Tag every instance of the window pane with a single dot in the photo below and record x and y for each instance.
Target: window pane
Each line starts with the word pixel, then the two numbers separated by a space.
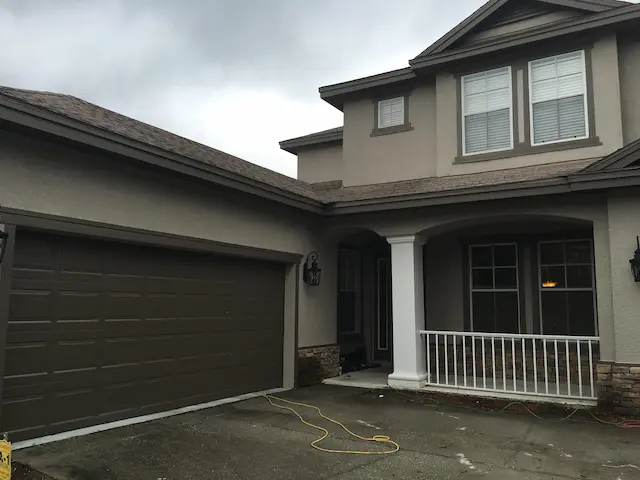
pixel 579 252
pixel 483 312
pixel 546 121
pixel 581 313
pixel 499 129
pixel 506 277
pixel 579 276
pixel 475 131
pixel 482 278
pixel 506 308
pixel 505 255
pixel 552 253
pixel 554 312
pixel 482 256
pixel 552 275
pixel 572 122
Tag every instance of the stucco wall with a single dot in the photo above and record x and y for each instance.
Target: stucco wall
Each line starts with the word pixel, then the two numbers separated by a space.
pixel 608 119
pixel 624 226
pixel 387 158
pixel 47 178
pixel 320 164
pixel 629 62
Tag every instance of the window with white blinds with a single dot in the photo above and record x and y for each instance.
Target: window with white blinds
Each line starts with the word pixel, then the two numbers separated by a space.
pixel 558 98
pixel 391 112
pixel 487 124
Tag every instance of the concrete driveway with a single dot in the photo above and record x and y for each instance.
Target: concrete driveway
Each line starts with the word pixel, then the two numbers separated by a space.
pixel 252 440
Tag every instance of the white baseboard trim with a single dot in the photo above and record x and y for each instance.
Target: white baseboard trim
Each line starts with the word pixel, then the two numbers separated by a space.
pixel 141 419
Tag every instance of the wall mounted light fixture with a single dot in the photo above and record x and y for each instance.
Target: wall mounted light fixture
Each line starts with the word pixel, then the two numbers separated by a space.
pixel 311 272
pixel 635 262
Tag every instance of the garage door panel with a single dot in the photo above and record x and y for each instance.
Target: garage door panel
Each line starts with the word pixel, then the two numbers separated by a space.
pixel 100 331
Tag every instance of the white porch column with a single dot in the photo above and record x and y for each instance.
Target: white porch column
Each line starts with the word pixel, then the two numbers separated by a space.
pixel 407 287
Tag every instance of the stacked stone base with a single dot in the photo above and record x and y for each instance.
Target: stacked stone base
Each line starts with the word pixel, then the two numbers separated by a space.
pixel 619 388
pixel 315 364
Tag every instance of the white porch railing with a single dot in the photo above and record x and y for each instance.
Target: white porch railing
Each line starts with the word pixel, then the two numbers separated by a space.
pixel 542 365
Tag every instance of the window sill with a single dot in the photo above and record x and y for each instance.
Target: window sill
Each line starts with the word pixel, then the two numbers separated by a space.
pixel 521 150
pixel 377 132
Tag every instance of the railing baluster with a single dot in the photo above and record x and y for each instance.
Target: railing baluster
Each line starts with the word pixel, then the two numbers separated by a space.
pixel 473 360
pixel 493 361
pixel 446 360
pixel 517 342
pixel 593 393
pixel 504 368
pixel 455 360
pixel 484 368
pixel 555 346
pixel 437 361
pixel 428 359
pixel 546 368
pixel 513 362
pixel 464 358
pixel 566 345
pixel 535 366
pixel 579 367
pixel 524 365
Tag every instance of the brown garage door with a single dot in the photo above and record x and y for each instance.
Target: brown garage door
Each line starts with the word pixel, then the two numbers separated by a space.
pixel 100 331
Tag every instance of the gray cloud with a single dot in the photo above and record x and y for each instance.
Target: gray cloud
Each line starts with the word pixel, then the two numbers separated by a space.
pixel 238 75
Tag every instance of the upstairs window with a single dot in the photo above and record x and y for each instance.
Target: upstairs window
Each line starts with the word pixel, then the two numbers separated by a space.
pixel 391 112
pixel 558 98
pixel 487 123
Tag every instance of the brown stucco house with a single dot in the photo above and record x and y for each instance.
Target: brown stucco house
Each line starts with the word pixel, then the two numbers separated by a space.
pixel 473 219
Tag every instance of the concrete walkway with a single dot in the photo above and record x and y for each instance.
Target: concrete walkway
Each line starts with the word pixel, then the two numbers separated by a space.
pixel 252 440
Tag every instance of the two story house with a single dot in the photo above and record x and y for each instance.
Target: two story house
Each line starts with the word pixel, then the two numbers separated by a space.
pixel 487 216
pixel 468 229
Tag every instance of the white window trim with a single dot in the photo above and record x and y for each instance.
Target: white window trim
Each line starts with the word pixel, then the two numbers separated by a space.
pixel 493 290
pixel 568 289
pixel 586 103
pixel 404 106
pixel 463 116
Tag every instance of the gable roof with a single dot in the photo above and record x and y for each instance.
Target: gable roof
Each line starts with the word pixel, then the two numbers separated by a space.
pixel 110 121
pixel 488 9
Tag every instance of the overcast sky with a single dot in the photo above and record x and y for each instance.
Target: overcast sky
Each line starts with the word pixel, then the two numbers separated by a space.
pixel 238 75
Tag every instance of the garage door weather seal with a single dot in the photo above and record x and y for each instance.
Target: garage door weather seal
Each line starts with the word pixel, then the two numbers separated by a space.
pixel 142 419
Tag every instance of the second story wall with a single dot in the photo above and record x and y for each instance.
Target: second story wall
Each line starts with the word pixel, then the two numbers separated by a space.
pixel 603 105
pixel 629 60
pixel 320 164
pixel 370 157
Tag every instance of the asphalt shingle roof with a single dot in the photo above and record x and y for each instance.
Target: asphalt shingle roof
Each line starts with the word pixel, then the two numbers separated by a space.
pixel 90 114
pixel 328 192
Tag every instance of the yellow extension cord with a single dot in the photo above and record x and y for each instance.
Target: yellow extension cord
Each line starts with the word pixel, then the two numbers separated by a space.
pixel 325 434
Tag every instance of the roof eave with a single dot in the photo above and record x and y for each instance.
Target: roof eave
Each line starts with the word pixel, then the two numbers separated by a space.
pixel 578 182
pixel 295 145
pixel 48 122
pixel 336 94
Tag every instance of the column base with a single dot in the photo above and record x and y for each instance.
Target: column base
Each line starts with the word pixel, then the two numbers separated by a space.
pixel 407 382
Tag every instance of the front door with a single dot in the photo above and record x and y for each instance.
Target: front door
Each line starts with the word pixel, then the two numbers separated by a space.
pixel 382 348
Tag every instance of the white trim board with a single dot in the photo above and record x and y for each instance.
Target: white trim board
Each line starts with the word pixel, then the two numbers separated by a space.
pixel 135 420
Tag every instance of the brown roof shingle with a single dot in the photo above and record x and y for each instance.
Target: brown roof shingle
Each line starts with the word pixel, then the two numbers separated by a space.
pixel 113 122
pixel 455 182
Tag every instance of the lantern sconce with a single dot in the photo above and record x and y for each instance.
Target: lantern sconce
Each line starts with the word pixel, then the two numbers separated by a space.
pixel 4 236
pixel 311 272
pixel 635 262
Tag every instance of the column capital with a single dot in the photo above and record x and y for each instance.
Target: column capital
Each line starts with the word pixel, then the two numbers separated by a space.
pixel 402 239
